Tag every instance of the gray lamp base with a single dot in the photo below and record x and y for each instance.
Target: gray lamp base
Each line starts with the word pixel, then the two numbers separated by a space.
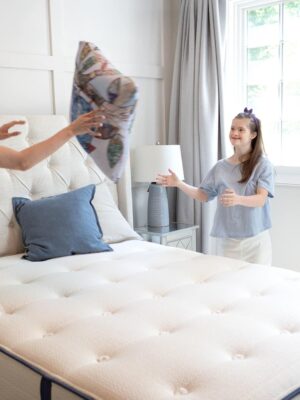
pixel 158 206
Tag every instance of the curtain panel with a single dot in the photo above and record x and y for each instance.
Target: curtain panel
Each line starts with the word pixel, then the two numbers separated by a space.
pixel 197 105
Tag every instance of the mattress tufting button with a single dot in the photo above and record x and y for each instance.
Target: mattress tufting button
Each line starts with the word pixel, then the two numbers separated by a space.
pixel 103 358
pixel 259 294
pixel 182 390
pixel 106 313
pixel 48 334
pixel 161 333
pixel 217 311
pixel 238 356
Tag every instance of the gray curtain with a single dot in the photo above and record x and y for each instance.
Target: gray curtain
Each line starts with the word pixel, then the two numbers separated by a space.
pixel 196 108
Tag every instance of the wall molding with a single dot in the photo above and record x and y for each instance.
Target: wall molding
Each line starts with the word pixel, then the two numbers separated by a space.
pixel 25 61
pixel 66 64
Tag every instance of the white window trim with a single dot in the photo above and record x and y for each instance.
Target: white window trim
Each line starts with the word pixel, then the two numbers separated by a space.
pixel 285 176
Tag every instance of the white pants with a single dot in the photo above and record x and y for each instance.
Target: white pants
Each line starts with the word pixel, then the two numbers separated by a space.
pixel 256 249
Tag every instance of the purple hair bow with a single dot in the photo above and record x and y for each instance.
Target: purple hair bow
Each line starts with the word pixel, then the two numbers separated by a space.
pixel 248 111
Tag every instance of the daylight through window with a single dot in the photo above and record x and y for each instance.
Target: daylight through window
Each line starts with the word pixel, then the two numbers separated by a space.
pixel 267 51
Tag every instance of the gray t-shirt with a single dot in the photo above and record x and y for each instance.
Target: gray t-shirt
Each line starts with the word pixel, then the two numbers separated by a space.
pixel 239 221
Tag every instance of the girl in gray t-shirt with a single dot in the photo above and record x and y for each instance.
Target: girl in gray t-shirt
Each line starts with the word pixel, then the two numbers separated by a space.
pixel 243 184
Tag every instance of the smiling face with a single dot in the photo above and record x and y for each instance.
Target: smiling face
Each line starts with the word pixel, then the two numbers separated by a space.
pixel 241 135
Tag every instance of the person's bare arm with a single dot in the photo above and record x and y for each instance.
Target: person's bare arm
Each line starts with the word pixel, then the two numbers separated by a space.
pixel 229 198
pixel 27 158
pixel 4 129
pixel 172 180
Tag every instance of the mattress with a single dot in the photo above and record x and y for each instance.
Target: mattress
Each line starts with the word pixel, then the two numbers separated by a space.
pixel 148 322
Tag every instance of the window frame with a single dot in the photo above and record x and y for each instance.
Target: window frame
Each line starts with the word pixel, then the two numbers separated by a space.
pixel 236 17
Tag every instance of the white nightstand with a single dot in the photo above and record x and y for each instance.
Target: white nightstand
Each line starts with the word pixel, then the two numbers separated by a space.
pixel 175 235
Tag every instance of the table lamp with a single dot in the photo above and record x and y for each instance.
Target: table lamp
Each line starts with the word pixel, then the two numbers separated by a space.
pixel 148 161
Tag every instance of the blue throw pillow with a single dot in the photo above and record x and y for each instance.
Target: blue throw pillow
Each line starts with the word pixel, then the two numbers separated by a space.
pixel 60 225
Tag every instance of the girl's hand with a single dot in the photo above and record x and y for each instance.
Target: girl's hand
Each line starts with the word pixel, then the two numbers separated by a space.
pixel 229 198
pixel 86 122
pixel 168 180
pixel 4 134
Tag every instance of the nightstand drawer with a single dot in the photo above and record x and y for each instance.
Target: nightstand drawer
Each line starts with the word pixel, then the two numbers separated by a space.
pixel 185 242
pixel 176 235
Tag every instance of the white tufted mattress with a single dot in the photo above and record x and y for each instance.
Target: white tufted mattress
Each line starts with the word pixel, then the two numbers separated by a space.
pixel 148 322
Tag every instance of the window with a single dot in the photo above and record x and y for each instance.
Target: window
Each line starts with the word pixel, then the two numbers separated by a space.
pixel 264 71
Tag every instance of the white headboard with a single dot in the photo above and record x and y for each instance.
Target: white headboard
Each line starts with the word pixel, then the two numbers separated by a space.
pixel 68 168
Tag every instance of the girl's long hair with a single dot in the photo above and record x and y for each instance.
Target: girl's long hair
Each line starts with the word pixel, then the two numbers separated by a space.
pixel 257 145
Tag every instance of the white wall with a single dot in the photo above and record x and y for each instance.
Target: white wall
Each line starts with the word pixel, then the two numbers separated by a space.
pixel 38 44
pixel 286 226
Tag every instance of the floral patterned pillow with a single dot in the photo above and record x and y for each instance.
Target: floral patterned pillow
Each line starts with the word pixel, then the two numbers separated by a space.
pixel 98 84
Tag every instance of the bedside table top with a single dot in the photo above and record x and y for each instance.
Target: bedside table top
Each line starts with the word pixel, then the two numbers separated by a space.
pixel 164 230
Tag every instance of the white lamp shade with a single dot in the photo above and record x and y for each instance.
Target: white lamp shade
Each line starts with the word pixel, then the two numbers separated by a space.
pixel 156 159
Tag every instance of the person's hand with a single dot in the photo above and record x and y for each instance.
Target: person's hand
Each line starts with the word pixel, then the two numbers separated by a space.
pixel 88 123
pixel 229 198
pixel 168 180
pixel 4 134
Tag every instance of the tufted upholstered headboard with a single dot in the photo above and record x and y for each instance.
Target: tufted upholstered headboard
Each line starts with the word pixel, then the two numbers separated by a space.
pixel 68 168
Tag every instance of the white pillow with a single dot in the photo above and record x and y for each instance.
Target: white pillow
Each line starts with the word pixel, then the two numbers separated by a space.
pixel 114 226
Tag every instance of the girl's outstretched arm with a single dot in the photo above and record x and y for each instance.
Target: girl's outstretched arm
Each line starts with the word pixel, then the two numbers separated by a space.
pixel 172 180
pixel 229 198
pixel 27 158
